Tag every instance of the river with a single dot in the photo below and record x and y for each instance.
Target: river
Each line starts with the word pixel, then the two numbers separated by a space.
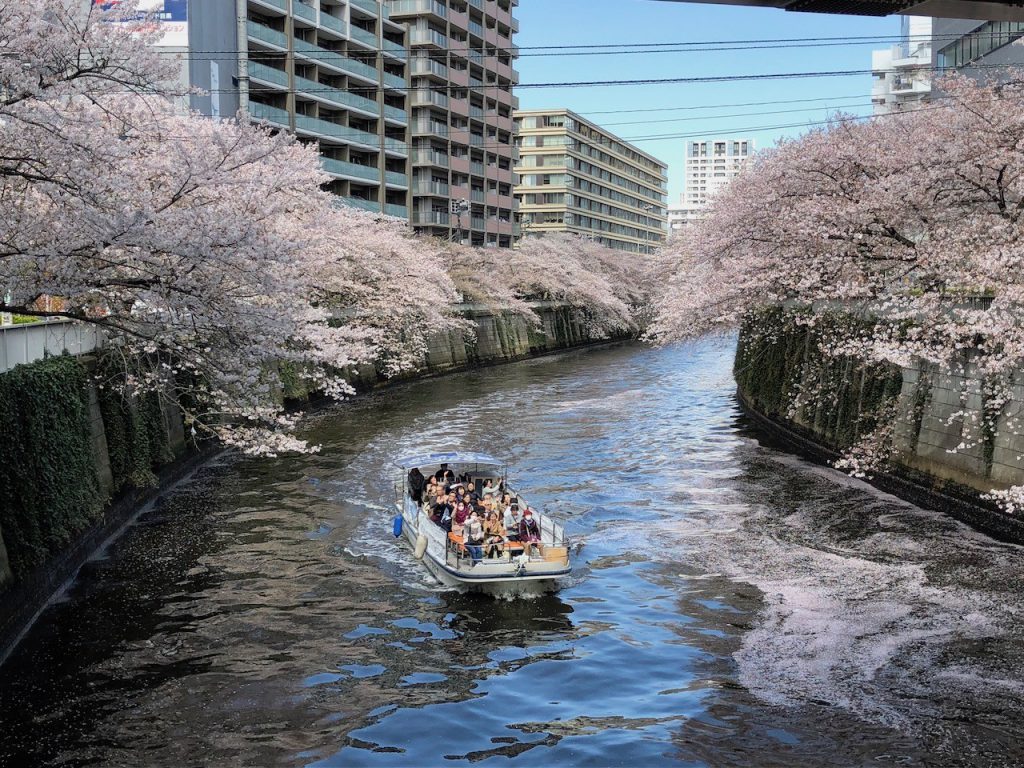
pixel 730 605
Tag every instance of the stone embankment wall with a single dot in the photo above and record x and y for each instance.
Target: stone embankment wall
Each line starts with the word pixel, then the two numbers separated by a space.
pixel 953 436
pixel 77 461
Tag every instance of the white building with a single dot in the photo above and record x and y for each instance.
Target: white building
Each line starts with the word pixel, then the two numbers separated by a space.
pixel 903 73
pixel 678 217
pixel 710 165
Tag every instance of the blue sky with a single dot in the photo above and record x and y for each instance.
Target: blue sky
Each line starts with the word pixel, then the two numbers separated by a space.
pixel 601 22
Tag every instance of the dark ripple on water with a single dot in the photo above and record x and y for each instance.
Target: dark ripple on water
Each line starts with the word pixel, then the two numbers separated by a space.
pixel 731 606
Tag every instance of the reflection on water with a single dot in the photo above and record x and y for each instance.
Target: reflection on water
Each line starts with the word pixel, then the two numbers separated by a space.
pixel 730 605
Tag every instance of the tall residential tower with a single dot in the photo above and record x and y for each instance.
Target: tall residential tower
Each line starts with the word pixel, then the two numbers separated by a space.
pixel 463 69
pixel 710 165
pixel 331 71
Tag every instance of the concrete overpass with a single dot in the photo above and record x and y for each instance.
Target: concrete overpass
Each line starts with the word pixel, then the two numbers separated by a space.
pixel 946 9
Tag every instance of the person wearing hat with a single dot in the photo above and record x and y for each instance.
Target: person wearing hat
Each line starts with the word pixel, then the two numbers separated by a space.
pixel 529 532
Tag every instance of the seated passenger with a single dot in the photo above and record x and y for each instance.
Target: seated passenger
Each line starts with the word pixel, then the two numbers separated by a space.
pixel 528 530
pixel 471 491
pixel 474 537
pixel 494 535
pixel 511 521
pixel 441 512
pixel 459 518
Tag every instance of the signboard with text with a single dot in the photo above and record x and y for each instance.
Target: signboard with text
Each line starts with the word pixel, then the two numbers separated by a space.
pixel 170 15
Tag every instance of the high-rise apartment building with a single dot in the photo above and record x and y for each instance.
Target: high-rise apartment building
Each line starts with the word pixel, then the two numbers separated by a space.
pixel 331 71
pixel 462 64
pixel 710 165
pixel 902 73
pixel 577 177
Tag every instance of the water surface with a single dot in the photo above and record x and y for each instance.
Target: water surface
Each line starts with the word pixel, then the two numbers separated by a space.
pixel 730 605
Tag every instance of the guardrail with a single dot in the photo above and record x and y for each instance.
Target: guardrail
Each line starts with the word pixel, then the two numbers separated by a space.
pixel 34 341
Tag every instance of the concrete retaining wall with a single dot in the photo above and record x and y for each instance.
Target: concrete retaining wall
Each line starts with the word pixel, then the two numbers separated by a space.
pixel 943 456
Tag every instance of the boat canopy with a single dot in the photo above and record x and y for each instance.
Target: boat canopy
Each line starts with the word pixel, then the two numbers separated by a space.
pixel 449 457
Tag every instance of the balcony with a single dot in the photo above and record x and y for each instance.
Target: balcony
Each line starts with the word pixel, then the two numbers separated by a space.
pixel 303 11
pixel 271 114
pixel 394 81
pixel 396 114
pixel 428 37
pixel 396 179
pixel 460 164
pixel 333 23
pixel 350 170
pixel 476 195
pixel 267 35
pixel 366 205
pixel 420 67
pixel 458 20
pixel 399 211
pixel 460 193
pixel 277 5
pixel 459 76
pixel 476 168
pixel 434 188
pixel 395 50
pixel 459 107
pixel 306 87
pixel 430 218
pixel 417 7
pixel 423 97
pixel 336 60
pixel 491 35
pixel 267 74
pixel 362 36
pixel 426 128
pixel 428 157
pixel 367 6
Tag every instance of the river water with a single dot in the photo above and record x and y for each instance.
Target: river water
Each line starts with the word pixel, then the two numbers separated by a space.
pixel 730 605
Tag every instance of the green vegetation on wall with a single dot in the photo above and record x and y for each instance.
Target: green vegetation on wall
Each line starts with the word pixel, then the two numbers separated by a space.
pixel 48 483
pixel 782 372
pixel 136 433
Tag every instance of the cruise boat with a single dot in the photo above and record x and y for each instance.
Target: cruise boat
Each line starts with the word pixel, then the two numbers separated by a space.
pixel 518 570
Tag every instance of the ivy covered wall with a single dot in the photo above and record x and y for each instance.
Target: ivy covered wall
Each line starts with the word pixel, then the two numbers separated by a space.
pixel 950 428
pixel 55 453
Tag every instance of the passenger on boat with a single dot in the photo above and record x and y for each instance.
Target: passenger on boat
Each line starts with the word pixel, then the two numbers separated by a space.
pixel 459 517
pixel 511 519
pixel 490 488
pixel 442 511
pixel 494 535
pixel 528 530
pixel 417 484
pixel 443 472
pixel 474 537
pixel 471 491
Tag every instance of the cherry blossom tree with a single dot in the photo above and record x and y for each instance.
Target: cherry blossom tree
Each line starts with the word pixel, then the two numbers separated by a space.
pixel 912 219
pixel 206 250
pixel 602 285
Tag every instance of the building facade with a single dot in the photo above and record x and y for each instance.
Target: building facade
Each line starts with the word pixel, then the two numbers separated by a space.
pixel 678 218
pixel 334 72
pixel 710 165
pixel 902 73
pixel 462 67
pixel 978 49
pixel 577 177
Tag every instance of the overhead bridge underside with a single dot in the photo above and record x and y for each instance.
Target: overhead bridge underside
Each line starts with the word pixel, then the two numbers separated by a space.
pixel 947 9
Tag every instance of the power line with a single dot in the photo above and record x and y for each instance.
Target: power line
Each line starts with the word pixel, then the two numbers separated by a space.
pixel 721 106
